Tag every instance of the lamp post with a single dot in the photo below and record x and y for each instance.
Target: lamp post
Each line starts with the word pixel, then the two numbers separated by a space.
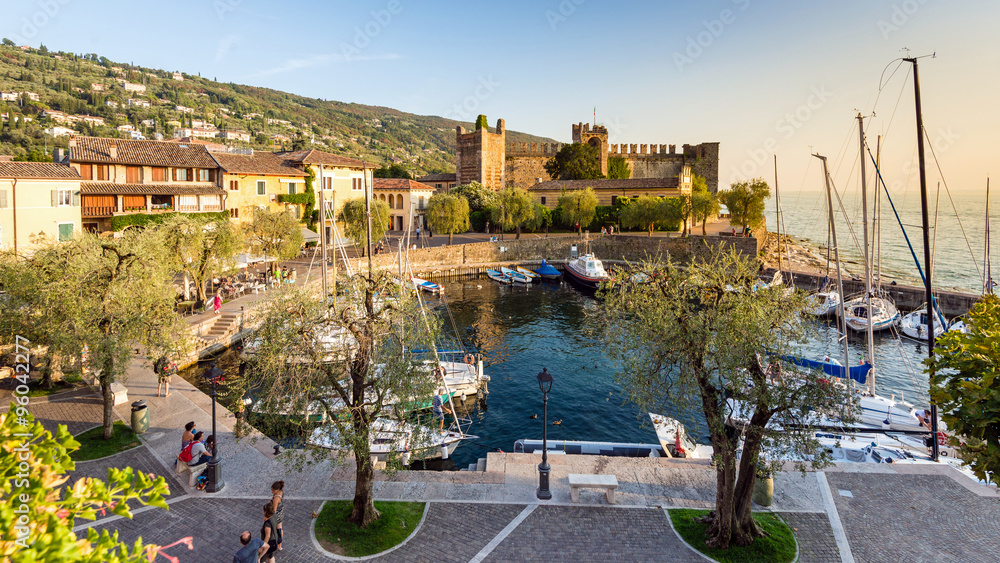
pixel 214 470
pixel 545 384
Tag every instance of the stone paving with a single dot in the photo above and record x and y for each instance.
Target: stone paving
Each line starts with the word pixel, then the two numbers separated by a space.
pixel 139 458
pixel 814 535
pixel 915 518
pixel 80 410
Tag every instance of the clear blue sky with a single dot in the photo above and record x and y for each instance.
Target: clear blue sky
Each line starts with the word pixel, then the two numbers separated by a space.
pixel 761 77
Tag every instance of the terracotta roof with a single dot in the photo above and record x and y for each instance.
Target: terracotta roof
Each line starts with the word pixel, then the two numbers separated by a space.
pixel 37 170
pixel 448 177
pixel 259 163
pixel 399 184
pixel 320 157
pixel 630 184
pixel 148 153
pixel 148 189
pixel 212 147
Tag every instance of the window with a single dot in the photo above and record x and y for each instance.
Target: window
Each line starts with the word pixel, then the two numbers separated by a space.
pixel 420 203
pixel 180 174
pixel 64 197
pixel 87 171
pixel 328 183
pixel 614 200
pixel 65 231
pixel 234 185
pixel 292 186
pixel 202 175
pixel 261 187
pixel 102 173
pixel 234 213
pixel 543 200
pixel 132 174
pixel 159 174
pixel 357 184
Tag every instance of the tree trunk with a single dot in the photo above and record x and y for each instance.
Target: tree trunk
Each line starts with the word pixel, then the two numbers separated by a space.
pixel 47 370
pixel 107 377
pixel 518 233
pixel 363 511
pixel 450 236
pixel 703 223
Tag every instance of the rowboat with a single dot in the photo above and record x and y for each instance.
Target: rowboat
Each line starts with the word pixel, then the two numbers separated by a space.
pixel 428 286
pixel 515 276
pixel 499 277
pixel 532 276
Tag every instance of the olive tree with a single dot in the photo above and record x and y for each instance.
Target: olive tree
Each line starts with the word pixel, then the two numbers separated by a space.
pixel 704 204
pixel 515 208
pixel 745 201
pixel 691 340
pixel 273 233
pixel 200 248
pixel 578 207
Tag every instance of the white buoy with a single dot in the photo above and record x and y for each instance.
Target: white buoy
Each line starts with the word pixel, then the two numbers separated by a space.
pixel 444 450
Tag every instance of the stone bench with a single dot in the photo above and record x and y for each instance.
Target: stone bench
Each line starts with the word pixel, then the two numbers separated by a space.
pixel 607 482
pixel 119 394
pixel 194 471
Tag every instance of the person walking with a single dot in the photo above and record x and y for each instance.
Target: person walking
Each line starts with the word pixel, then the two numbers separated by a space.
pixel 188 435
pixel 439 408
pixel 268 534
pixel 418 233
pixel 277 496
pixel 253 549
pixel 164 369
pixel 217 302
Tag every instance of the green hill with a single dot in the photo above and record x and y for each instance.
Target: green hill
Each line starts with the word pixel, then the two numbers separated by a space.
pixel 92 85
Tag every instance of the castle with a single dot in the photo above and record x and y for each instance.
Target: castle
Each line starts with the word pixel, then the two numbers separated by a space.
pixel 485 156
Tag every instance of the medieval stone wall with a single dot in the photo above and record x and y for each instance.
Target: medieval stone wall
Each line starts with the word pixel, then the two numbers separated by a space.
pixel 480 156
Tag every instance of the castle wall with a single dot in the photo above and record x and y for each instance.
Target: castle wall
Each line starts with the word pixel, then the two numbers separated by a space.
pixel 480 155
pixel 525 163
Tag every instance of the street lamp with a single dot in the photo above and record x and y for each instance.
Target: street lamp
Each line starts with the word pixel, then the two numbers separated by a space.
pixel 214 471
pixel 545 384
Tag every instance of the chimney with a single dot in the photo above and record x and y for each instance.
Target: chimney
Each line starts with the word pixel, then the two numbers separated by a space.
pixel 113 150
pixel 57 156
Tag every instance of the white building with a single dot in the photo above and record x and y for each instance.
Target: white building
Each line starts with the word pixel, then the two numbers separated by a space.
pixel 138 103
pixel 130 87
pixel 183 109
pixel 59 131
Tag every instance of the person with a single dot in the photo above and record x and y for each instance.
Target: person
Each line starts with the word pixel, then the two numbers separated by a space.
pixel 923 417
pixel 487 227
pixel 440 408
pixel 200 452
pixel 164 370
pixel 253 549
pixel 774 373
pixel 277 494
pixel 188 435
pixel 268 535
pixel 734 231
pixel 418 233
pixel 430 232
pixel 604 230
pixel 217 302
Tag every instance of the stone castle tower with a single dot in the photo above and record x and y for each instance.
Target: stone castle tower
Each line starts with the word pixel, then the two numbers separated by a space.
pixel 486 157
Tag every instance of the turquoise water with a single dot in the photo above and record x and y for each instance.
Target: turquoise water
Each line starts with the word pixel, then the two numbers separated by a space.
pixel 520 330
pixel 805 216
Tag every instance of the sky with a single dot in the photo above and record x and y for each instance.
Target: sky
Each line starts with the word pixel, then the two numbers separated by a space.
pixel 762 78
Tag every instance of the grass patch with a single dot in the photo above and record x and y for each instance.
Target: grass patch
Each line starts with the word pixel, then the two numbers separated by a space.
pixel 69 382
pixel 778 547
pixel 336 534
pixel 93 446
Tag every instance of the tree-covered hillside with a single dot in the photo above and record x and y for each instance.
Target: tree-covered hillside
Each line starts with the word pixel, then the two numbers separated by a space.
pixel 134 101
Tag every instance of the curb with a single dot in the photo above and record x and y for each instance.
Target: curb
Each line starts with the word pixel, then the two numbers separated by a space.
pixel 322 551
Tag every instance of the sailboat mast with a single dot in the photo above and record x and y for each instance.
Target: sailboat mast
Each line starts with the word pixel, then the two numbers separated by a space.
pixel 841 318
pixel 988 285
pixel 368 219
pixel 927 249
pixel 868 271
pixel 777 210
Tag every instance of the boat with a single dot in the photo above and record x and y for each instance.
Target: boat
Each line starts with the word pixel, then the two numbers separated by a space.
pixel 587 270
pixel 670 432
pixel 914 325
pixel 532 276
pixel 515 276
pixel 884 314
pixel 777 280
pixel 547 272
pixel 411 442
pixel 824 303
pixel 574 447
pixel 427 286
pixel 499 277
pixel 463 378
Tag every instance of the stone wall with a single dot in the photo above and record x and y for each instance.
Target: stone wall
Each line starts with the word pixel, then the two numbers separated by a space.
pixel 631 248
pixel 524 170
pixel 480 156
pixel 648 166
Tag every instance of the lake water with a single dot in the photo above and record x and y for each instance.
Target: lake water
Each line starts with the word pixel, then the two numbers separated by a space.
pixel 805 216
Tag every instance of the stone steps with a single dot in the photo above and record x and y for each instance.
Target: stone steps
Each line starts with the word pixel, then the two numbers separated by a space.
pixel 479 465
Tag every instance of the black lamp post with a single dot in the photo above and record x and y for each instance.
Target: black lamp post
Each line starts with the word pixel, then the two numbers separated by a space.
pixel 214 470
pixel 545 384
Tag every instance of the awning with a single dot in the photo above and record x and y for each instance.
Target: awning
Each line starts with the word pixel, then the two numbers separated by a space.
pixel 309 236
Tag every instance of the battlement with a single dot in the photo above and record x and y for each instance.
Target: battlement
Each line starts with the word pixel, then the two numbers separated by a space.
pixel 643 150
pixel 533 149
pixel 585 128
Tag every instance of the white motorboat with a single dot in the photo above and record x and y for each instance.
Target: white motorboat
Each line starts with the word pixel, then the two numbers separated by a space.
pixel 914 325
pixel 884 314
pixel 462 378
pixel 587 270
pixel 576 447
pixel 392 437
pixel 675 441
pixel 824 303
pixel 427 286
pixel 515 276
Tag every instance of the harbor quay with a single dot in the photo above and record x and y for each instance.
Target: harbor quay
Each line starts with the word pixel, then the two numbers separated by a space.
pixel 842 513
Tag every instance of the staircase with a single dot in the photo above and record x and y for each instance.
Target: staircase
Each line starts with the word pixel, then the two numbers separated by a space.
pixel 224 324
pixel 480 466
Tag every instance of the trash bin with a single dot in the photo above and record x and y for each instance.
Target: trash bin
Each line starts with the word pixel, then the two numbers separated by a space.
pixel 140 417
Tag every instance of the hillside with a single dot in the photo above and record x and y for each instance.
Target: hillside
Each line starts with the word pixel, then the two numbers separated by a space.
pixel 134 100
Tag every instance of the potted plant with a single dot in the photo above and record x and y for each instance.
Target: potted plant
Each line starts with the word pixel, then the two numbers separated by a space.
pixel 763 487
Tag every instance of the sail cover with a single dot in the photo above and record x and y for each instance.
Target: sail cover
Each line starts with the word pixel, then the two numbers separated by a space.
pixel 857 373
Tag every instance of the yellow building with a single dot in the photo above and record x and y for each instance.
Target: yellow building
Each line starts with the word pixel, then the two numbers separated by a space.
pixel 341 179
pixel 256 180
pixel 609 191
pixel 407 200
pixel 37 198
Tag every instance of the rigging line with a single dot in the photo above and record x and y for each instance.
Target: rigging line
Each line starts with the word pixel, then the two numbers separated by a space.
pixel 899 98
pixel 953 206
pixel 850 226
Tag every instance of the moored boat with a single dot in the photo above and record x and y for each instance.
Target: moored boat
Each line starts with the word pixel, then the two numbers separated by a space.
pixel 576 447
pixel 674 440
pixel 547 272
pixel 532 276
pixel 428 286
pixel 587 270
pixel 388 437
pixel 515 276
pixel 884 314
pixel 499 277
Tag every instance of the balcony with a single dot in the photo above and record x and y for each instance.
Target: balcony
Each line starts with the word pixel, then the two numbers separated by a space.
pixel 98 211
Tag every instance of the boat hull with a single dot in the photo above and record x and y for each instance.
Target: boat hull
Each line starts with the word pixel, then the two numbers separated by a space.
pixel 586 281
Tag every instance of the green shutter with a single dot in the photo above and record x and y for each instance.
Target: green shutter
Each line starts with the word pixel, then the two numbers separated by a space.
pixel 65 231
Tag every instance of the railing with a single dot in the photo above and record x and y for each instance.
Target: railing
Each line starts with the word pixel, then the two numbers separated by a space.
pixel 211 208
pixel 134 208
pixel 98 211
pixel 187 208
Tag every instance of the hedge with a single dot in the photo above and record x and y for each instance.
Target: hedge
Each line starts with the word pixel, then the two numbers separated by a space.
pixel 121 222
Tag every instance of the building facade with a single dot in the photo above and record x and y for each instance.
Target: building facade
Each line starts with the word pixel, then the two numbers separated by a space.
pixel 407 201
pixel 481 156
pixel 341 179
pixel 39 201
pixel 256 180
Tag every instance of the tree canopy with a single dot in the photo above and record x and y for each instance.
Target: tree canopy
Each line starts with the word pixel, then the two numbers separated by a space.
pixel 576 161
pixel 644 212
pixel 618 168
pixel 35 483
pixel 447 213
pixel 356 220
pixel 515 209
pixel 274 234
pixel 200 248
pixel 745 201
pixel 691 340
pixel 479 196
pixel 578 207
pixel 392 171
pixel 966 369
pixel 704 204
pixel 482 122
